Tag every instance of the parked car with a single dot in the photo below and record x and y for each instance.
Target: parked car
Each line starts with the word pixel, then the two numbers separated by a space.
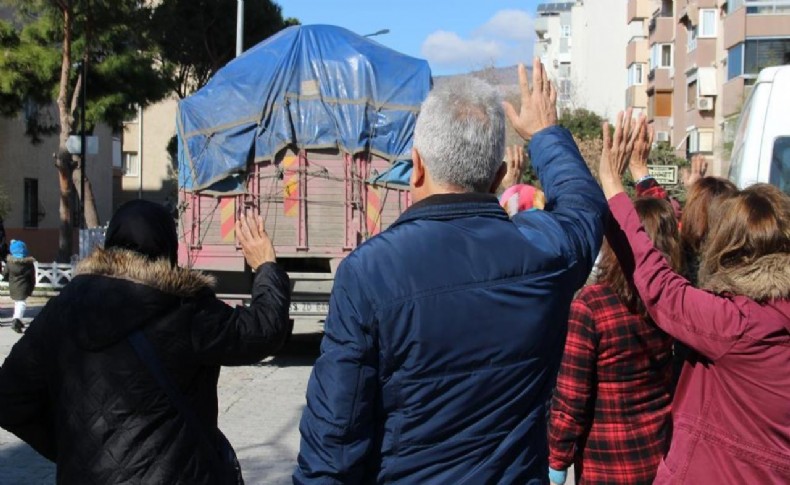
pixel 761 151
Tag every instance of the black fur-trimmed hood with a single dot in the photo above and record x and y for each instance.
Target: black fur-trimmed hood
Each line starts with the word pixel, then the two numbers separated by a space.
pixel 766 279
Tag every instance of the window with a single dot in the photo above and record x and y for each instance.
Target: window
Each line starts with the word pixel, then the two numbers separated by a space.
pixel 661 56
pixel 691 95
pixel 780 164
pixel 733 5
pixel 635 75
pixel 564 88
pixel 735 62
pixel 30 208
pixel 667 8
pixel 708 23
pixel 691 39
pixel 761 7
pixel 131 165
pixel 663 104
pixel 749 58
pixel 565 31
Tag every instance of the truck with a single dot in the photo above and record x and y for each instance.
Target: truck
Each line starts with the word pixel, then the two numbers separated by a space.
pixel 313 129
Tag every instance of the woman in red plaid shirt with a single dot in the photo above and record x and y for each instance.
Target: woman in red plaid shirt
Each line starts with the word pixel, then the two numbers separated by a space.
pixel 610 415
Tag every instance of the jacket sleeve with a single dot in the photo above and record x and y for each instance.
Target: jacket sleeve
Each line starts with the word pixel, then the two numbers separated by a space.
pixel 572 406
pixel 708 323
pixel 337 426
pixel 25 405
pixel 222 335
pixel 573 198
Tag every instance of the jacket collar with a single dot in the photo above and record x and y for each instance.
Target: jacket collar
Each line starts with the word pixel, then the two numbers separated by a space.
pixel 444 207
pixel 131 266
pixel 765 279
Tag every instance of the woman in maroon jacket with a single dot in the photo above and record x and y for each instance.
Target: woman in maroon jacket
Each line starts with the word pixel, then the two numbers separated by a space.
pixel 731 413
pixel 610 411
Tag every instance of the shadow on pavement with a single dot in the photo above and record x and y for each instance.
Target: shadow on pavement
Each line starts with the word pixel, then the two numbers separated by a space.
pixel 301 350
pixel 29 468
pixel 7 313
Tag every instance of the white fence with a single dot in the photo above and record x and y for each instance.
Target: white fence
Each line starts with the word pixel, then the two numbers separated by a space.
pixel 49 276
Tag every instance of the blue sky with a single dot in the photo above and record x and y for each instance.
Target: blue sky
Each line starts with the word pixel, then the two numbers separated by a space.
pixel 454 36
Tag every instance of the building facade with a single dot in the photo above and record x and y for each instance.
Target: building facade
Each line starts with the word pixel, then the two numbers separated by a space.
pixel 581 47
pixel 30 182
pixel 146 169
pixel 702 58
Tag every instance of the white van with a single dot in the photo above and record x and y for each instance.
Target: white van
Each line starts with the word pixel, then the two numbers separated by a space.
pixel 761 152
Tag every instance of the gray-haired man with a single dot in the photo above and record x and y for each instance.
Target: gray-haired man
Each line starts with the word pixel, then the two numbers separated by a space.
pixel 445 332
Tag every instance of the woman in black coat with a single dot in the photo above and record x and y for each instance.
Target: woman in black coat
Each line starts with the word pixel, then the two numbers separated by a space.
pixel 77 388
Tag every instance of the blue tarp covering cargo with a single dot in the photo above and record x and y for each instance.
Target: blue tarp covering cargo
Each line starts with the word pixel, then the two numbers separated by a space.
pixel 313 87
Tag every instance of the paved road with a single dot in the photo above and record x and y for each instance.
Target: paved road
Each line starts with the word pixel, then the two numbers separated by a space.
pixel 260 407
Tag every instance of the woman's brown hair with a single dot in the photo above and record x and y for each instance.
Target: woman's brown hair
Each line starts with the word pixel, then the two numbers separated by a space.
pixel 753 224
pixel 704 196
pixel 658 219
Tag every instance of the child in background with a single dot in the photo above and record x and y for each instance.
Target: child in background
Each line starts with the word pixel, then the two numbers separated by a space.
pixel 20 272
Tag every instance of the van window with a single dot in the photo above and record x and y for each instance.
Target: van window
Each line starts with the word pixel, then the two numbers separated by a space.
pixel 780 164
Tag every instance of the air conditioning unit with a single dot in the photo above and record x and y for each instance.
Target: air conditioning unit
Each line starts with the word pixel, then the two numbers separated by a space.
pixel 662 136
pixel 705 104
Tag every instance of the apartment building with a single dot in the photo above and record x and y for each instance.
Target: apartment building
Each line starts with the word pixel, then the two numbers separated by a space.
pixel 702 56
pixel 30 181
pixel 581 47
pixel 553 28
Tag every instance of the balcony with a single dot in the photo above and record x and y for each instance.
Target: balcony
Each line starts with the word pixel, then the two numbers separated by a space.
pixel 637 51
pixel 638 10
pixel 541 26
pixel 703 56
pixel 733 96
pixel 764 18
pixel 659 80
pixel 662 29
pixel 636 97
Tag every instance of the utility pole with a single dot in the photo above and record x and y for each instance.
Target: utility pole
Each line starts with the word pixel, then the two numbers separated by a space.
pixel 239 27
pixel 83 148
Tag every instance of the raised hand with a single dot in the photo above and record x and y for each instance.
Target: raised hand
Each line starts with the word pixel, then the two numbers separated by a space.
pixel 255 244
pixel 514 158
pixel 617 151
pixel 641 153
pixel 698 168
pixel 538 102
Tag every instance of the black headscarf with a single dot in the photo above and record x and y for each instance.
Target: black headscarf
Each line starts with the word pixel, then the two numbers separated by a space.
pixel 145 228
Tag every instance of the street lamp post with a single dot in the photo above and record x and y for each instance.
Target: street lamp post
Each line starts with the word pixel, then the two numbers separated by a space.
pixel 379 32
pixel 239 27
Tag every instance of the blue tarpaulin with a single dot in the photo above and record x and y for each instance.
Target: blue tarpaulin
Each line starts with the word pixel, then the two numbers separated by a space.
pixel 314 86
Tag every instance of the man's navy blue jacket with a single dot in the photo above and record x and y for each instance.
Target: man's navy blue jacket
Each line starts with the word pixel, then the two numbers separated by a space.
pixel 445 334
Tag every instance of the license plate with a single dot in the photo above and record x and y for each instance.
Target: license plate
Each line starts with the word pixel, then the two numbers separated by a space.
pixel 309 308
